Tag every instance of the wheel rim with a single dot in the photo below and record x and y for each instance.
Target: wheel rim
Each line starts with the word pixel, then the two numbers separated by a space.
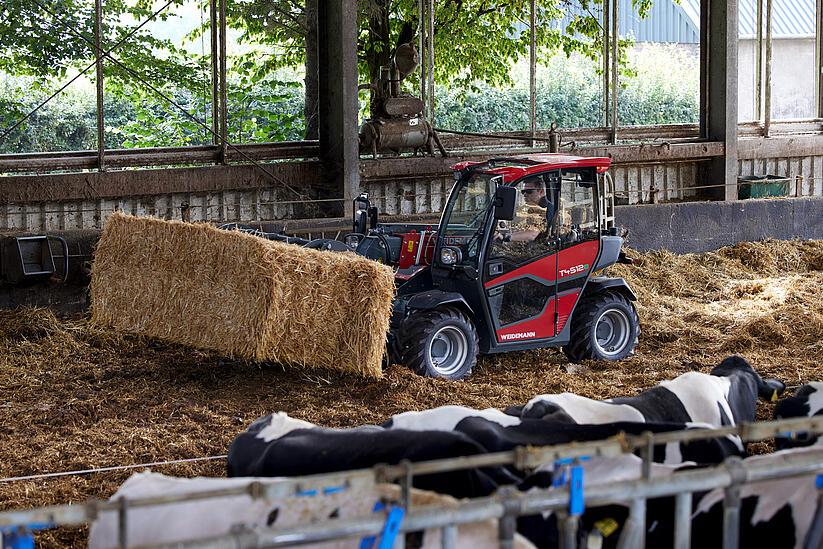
pixel 612 332
pixel 448 350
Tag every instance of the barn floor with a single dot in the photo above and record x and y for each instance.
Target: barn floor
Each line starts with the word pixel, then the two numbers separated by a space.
pixel 74 396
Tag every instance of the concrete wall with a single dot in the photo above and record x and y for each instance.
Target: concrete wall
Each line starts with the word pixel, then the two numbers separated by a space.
pixel 704 226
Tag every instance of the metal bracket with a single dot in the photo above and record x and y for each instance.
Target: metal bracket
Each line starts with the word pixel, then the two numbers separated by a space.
pixel 394 518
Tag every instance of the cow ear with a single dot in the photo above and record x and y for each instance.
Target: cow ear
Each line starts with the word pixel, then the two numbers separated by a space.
pixel 774 396
pixel 272 518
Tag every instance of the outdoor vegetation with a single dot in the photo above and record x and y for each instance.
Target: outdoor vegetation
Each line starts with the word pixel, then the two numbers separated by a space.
pixel 481 79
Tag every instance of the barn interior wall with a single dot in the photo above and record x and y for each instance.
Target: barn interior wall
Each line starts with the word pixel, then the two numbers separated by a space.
pixel 241 193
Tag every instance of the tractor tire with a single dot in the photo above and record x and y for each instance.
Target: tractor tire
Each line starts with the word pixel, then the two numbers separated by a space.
pixel 440 343
pixel 604 327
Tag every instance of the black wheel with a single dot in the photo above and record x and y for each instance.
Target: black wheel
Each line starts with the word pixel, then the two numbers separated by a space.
pixel 604 327
pixel 440 343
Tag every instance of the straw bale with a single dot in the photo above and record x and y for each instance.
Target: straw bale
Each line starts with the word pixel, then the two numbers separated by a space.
pixel 241 295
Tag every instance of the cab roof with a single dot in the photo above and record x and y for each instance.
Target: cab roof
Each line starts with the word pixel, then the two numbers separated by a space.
pixel 513 168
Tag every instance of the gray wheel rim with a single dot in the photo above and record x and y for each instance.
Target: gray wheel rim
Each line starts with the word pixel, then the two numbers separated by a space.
pixel 612 331
pixel 448 350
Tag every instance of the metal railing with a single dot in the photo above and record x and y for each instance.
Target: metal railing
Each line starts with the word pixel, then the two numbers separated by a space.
pixel 505 506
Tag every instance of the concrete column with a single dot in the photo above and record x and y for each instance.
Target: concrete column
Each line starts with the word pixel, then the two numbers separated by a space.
pixel 338 109
pixel 718 94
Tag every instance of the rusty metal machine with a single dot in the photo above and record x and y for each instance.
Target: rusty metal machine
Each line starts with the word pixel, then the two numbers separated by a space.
pixel 397 121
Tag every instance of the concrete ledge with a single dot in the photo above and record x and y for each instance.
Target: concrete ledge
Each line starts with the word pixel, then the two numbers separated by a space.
pixel 703 226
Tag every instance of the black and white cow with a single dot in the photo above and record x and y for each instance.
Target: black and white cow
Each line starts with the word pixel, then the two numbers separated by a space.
pixel 807 401
pixel 278 445
pixel 498 432
pixel 726 396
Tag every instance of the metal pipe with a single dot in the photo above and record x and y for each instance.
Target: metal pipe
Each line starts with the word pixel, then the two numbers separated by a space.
pixel 568 531
pixel 122 523
pixel 98 57
pixel 683 520
pixel 448 537
pixel 431 32
pixel 224 109
pixel 819 57
pixel 767 107
pixel 532 70
pixel 421 48
pixel 614 70
pixel 215 73
pixel 606 63
pixel 758 79
pixel 731 517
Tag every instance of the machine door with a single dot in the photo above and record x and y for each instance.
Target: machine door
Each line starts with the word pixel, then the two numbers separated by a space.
pixel 519 272
pixel 537 264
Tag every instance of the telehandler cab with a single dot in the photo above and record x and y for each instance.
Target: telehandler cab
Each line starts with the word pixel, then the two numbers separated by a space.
pixel 511 266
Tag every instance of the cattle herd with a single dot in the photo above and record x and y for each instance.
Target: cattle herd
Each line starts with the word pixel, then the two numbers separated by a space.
pixel 779 513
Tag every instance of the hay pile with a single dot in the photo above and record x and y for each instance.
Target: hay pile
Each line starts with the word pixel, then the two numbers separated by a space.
pixel 78 395
pixel 751 296
pixel 241 295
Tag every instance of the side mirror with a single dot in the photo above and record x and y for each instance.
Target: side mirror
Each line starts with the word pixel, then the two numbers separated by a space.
pixel 361 214
pixel 505 200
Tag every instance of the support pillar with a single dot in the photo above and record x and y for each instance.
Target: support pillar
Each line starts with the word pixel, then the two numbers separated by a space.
pixel 337 22
pixel 718 97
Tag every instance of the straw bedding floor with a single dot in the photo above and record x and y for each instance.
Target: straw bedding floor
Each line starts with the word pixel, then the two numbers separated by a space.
pixel 74 396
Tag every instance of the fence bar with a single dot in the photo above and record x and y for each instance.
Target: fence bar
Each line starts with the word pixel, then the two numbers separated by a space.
pixel 568 531
pixel 767 106
pixel 683 520
pixel 731 517
pixel 532 70
pixel 98 56
pixel 122 523
pixel 448 537
pixel 692 480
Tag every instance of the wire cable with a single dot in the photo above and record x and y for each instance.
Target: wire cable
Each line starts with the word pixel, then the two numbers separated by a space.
pixel 109 469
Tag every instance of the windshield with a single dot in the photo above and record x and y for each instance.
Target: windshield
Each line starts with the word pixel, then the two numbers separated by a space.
pixel 466 215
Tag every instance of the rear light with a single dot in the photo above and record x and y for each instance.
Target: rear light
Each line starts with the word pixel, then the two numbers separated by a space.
pixel 450 256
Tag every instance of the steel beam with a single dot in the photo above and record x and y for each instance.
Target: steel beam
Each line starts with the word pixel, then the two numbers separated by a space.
pixel 532 69
pixel 98 56
pixel 223 71
pixel 818 57
pixel 718 75
pixel 338 98
pixel 767 99
pixel 215 73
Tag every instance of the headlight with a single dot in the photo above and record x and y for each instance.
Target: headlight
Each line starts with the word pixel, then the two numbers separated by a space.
pixel 352 241
pixel 449 255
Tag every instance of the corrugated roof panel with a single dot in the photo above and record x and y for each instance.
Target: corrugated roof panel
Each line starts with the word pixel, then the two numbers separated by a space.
pixel 671 22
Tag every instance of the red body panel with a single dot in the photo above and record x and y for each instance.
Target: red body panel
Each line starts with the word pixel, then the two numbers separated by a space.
pixel 582 254
pixel 572 262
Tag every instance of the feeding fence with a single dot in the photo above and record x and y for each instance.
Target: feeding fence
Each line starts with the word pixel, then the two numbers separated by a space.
pixel 567 501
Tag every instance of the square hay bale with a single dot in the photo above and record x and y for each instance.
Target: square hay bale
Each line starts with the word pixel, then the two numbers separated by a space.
pixel 241 295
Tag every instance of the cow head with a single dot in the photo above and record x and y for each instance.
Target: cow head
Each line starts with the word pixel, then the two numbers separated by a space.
pixel 736 365
pixel 807 401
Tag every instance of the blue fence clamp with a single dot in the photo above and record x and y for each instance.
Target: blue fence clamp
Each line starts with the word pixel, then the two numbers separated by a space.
pixel 390 528
pixel 21 537
pixel 818 482
pixel 569 471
